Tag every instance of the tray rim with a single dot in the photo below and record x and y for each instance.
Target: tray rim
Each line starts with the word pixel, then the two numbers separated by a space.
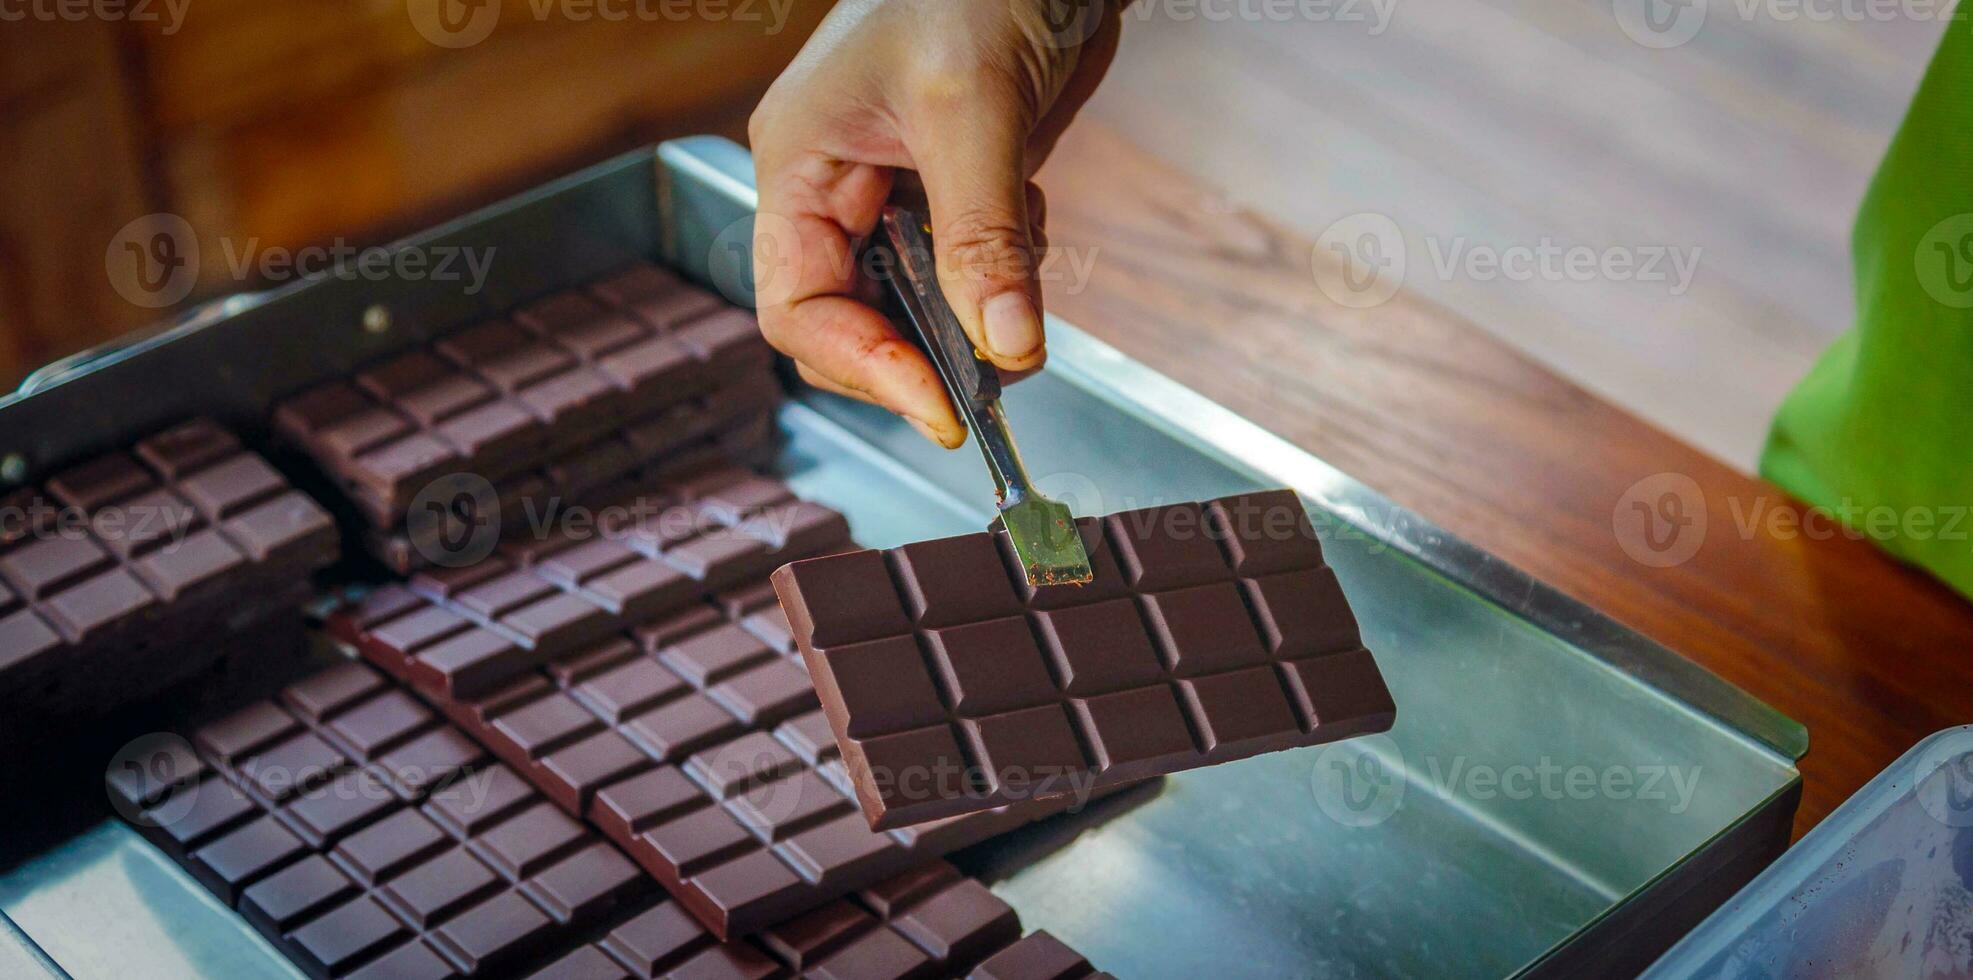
pixel 697 175
pixel 1218 432
pixel 692 171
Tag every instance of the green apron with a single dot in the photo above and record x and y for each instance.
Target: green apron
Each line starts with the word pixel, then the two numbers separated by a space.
pixel 1879 436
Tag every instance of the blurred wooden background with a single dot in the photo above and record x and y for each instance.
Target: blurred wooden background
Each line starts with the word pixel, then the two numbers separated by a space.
pixel 300 122
pixel 1490 124
pixel 1501 123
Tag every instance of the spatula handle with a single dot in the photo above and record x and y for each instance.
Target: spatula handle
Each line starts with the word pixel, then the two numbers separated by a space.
pixel 971 381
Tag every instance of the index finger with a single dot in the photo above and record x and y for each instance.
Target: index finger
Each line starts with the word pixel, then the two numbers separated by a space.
pixel 811 212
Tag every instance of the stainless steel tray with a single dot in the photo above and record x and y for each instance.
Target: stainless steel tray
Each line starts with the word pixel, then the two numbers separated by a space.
pixel 1522 817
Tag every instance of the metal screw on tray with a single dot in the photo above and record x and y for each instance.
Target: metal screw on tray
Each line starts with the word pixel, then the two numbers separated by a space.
pixel 1043 531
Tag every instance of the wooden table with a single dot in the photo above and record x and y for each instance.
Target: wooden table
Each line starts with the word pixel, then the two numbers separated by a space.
pixel 1426 408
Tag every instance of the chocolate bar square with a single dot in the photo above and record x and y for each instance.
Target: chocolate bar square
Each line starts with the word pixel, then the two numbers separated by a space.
pixel 1167 660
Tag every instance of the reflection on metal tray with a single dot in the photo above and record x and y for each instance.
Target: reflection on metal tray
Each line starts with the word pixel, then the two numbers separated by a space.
pixel 1559 794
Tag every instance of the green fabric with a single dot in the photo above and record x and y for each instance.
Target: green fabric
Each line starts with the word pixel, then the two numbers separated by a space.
pixel 1878 433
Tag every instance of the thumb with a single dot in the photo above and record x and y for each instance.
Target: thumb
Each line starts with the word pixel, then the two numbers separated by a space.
pixel 976 183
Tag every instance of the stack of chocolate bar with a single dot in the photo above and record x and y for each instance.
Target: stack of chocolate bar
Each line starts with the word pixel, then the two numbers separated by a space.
pixel 366 838
pixel 929 922
pixel 127 573
pixel 568 398
pixel 687 733
pixel 465 632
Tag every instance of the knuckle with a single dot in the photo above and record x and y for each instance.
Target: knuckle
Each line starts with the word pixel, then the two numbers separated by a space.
pixel 760 122
pixel 947 74
pixel 985 242
pixel 971 81
pixel 774 330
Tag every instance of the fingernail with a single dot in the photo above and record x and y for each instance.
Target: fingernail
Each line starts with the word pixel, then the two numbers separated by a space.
pixel 1013 328
pixel 928 431
pixel 925 430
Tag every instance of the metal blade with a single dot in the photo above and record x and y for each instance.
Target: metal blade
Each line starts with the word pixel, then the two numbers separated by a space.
pixel 1042 531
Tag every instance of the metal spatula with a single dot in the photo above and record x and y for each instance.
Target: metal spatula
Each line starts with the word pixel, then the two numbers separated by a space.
pixel 1043 531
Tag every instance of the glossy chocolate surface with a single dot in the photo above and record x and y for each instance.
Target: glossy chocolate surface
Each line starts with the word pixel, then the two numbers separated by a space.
pixel 1212 632
pixel 359 832
pixel 692 737
pixel 566 394
pixel 365 837
pixel 119 575
pixel 931 922
pixel 462 632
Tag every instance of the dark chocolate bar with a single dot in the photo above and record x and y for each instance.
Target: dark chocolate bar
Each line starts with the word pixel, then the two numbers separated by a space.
pixel 500 398
pixel 468 630
pixel 733 424
pixel 1212 632
pixel 930 922
pixel 366 838
pixel 693 740
pixel 117 574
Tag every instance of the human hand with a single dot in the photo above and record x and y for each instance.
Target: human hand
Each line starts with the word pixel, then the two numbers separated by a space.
pixel 971 94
